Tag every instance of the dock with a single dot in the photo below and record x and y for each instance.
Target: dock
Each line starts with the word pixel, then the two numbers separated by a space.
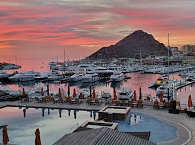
pixel 66 106
pixel 184 85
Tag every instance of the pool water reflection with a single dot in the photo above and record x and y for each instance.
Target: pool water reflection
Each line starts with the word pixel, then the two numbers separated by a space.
pixel 52 127
pixel 137 122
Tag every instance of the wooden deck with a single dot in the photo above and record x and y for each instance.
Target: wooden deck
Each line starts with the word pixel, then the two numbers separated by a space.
pixel 82 106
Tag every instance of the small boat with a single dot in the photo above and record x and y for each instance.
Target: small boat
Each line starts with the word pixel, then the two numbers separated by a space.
pixel 125 94
pixel 190 78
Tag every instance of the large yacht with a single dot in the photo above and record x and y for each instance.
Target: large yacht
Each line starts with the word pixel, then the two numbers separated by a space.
pixel 3 75
pixel 54 76
pixel 103 72
pixel 42 76
pixel 90 76
pixel 76 77
pixel 26 76
pixel 116 77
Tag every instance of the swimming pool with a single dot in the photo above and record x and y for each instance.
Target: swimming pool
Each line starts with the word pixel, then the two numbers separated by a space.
pixel 137 122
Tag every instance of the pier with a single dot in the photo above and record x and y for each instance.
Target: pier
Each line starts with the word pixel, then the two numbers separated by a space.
pixel 184 85
pixel 50 105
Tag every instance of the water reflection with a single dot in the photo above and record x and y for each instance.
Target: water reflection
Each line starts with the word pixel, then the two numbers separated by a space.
pixel 21 130
pixel 137 80
pixel 60 113
pixel 135 119
pixel 24 111
pixel 43 112
pixel 48 111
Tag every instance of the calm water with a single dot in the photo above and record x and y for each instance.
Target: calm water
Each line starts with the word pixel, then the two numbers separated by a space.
pixel 52 127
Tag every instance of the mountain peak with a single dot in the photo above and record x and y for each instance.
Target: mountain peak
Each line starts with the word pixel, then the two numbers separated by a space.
pixel 130 47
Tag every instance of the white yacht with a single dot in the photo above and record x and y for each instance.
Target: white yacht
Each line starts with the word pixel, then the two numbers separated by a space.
pixel 3 75
pixel 26 76
pixel 42 76
pixel 103 72
pixel 90 77
pixel 125 94
pixel 54 76
pixel 76 77
pixel 116 77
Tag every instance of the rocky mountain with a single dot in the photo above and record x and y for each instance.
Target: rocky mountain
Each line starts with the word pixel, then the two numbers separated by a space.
pixel 131 46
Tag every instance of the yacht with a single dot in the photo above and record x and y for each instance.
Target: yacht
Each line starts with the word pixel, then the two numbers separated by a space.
pixel 54 76
pixel 103 72
pixel 26 76
pixel 3 75
pixel 116 77
pixel 42 76
pixel 90 77
pixel 76 77
pixel 86 92
pixel 125 94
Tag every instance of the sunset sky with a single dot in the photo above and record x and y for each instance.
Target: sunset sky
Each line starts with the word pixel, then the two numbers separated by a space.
pixel 45 27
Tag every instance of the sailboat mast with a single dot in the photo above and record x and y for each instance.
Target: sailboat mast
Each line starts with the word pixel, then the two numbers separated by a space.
pixel 168 55
pixel 64 55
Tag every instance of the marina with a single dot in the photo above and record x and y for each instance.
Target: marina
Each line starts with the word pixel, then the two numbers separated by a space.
pixel 97 72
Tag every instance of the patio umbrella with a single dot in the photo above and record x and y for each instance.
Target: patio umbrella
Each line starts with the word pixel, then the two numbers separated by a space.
pixel 161 96
pixel 134 95
pixel 190 101
pixel 37 137
pixel 42 92
pixel 59 93
pixel 74 93
pixel 140 93
pixel 47 90
pixel 93 93
pixel 5 135
pixel 68 90
pixel 114 94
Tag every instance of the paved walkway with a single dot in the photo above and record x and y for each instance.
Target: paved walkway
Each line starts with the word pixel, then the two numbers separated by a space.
pixel 185 125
